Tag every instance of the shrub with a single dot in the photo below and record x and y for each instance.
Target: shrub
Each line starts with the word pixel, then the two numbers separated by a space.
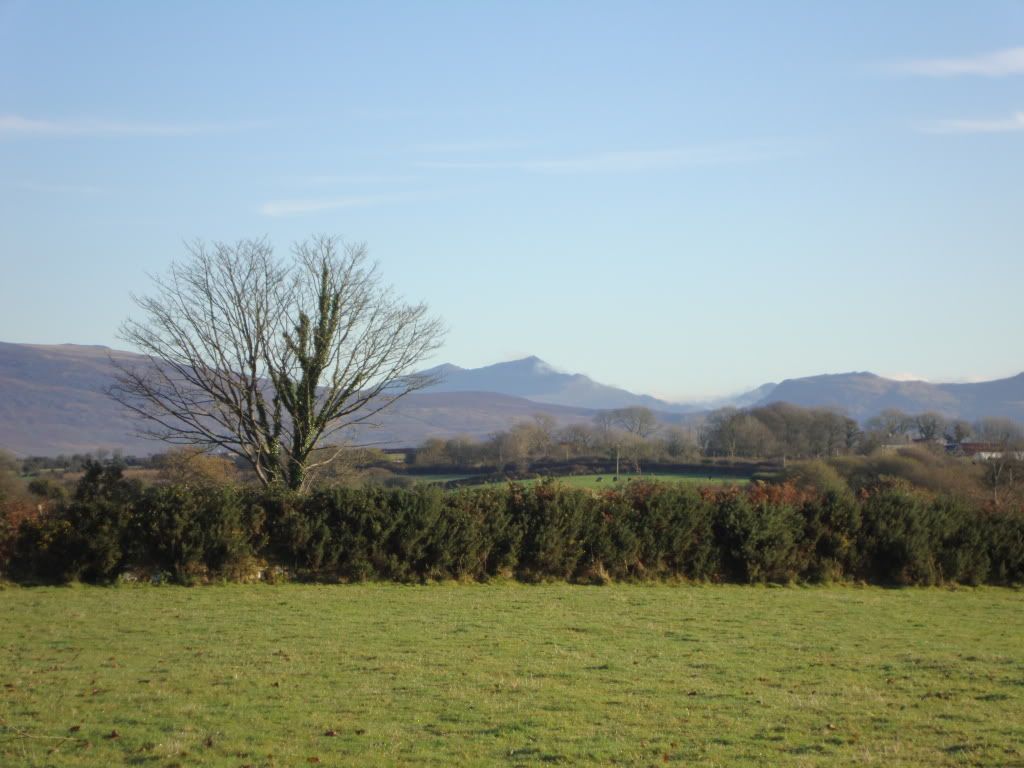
pixel 87 538
pixel 191 532
pixel 12 513
pixel 47 488
pixel 831 533
pixel 97 545
pixel 893 545
pixel 481 538
pixel 553 520
pixel 920 467
pixel 760 536
pixel 1005 533
pixel 654 530
pixel 194 466
pixel 38 549
pixel 300 529
pixel 413 548
pixel 767 532
pixel 816 476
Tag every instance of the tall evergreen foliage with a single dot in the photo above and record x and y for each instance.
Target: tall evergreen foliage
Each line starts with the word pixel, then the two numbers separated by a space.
pixel 890 534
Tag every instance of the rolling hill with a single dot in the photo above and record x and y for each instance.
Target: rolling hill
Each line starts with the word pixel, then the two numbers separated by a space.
pixel 536 380
pixel 862 395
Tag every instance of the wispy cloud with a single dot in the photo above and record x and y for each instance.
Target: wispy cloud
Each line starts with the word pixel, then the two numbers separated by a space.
pixel 993 64
pixel 47 188
pixel 276 208
pixel 324 179
pixel 905 376
pixel 623 161
pixel 472 146
pixel 18 125
pixel 1010 124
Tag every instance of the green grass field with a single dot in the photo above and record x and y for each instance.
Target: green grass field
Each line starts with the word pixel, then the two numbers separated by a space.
pixel 508 674
pixel 429 479
pixel 593 483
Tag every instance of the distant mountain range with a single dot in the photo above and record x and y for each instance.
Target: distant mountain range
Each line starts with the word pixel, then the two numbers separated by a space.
pixel 862 395
pixel 52 401
pixel 536 380
pixel 858 394
pixel 533 379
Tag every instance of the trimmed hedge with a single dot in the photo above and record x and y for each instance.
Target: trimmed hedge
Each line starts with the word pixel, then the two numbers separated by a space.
pixel 762 533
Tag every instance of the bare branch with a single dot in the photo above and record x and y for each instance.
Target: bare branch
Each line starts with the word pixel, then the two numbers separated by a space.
pixel 266 359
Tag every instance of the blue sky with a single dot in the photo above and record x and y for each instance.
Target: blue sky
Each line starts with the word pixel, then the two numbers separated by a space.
pixel 684 199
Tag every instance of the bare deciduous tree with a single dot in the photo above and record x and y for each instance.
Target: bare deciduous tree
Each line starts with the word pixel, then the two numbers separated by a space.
pixel 1004 465
pixel 891 423
pixel 637 421
pixel 577 438
pixel 929 425
pixel 604 424
pixel 266 359
pixel 957 430
pixel 680 442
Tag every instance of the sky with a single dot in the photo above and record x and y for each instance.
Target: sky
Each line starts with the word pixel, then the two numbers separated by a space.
pixel 683 199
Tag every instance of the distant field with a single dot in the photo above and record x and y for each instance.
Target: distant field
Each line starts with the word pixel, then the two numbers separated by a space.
pixel 599 482
pixel 436 478
pixel 508 674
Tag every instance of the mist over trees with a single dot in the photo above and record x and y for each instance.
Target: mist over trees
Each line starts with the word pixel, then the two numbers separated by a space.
pixel 778 432
pixel 634 432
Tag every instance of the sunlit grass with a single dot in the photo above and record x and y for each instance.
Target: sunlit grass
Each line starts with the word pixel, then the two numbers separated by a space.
pixel 439 478
pixel 610 482
pixel 508 674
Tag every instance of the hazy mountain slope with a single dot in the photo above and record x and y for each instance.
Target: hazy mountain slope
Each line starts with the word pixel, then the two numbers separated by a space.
pixel 52 401
pixel 534 379
pixel 1002 397
pixel 863 395
pixel 742 400
pixel 421 415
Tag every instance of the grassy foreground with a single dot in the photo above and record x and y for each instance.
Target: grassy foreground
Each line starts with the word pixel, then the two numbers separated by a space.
pixel 508 674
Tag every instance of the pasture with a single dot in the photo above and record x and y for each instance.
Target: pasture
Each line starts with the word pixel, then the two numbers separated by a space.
pixel 439 479
pixel 607 481
pixel 589 482
pixel 508 674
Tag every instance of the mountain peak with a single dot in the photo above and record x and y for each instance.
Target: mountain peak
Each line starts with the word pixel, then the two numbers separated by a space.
pixel 528 361
pixel 523 366
pixel 535 379
pixel 443 369
pixel 539 365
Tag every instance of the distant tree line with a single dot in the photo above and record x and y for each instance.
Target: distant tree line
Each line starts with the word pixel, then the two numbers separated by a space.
pixel 76 462
pixel 923 449
pixel 634 434
pixel 779 431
